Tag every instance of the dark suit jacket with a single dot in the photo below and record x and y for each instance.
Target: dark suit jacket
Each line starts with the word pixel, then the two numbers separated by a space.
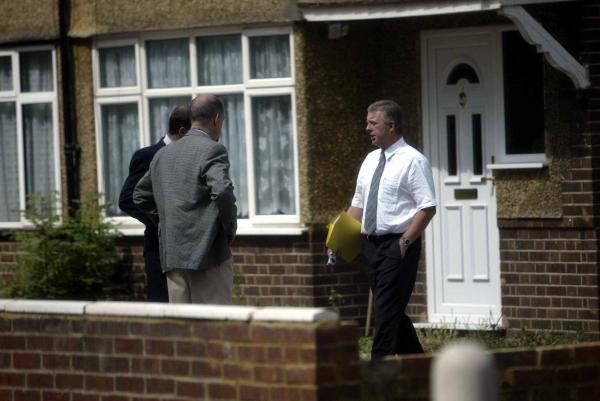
pixel 188 186
pixel 156 282
pixel 140 163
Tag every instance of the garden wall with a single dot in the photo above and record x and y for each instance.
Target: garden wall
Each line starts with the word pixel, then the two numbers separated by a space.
pixel 558 373
pixel 111 351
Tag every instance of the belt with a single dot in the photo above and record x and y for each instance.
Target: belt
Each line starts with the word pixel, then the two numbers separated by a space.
pixel 380 238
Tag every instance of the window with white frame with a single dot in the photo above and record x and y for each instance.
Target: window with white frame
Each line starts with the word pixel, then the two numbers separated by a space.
pixel 29 158
pixel 140 80
pixel 523 78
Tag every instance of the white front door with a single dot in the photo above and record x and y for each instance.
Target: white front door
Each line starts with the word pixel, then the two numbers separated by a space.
pixel 461 78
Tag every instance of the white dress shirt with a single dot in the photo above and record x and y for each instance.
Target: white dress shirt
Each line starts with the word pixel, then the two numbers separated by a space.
pixel 406 187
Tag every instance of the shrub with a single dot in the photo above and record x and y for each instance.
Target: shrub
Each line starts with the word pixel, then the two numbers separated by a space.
pixel 73 260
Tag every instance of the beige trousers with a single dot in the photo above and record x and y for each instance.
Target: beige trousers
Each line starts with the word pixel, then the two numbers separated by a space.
pixel 210 286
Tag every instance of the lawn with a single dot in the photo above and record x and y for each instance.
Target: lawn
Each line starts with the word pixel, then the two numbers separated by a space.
pixel 434 339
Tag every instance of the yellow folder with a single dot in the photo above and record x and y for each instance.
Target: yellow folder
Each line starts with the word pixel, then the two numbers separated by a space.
pixel 343 236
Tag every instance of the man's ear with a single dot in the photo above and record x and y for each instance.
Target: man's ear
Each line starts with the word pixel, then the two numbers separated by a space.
pixel 216 119
pixel 182 131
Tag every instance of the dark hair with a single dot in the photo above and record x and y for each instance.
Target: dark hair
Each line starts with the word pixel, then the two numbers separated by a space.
pixel 205 107
pixel 180 117
pixel 391 113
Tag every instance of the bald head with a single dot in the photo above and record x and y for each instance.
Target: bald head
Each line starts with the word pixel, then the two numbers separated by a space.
pixel 205 108
pixel 207 115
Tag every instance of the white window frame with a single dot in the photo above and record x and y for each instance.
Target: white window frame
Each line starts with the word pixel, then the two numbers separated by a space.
pixel 20 99
pixel 501 157
pixel 248 88
pixel 118 91
pixel 127 221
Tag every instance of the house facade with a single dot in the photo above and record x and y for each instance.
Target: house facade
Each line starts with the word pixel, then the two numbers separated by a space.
pixel 502 96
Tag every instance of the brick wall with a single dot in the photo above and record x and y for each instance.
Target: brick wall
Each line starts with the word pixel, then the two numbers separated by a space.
pixel 8 258
pixel 77 351
pixel 291 271
pixel 549 267
pixel 174 353
pixel 276 271
pixel 549 279
pixel 550 374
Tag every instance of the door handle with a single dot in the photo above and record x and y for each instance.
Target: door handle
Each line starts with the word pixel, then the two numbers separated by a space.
pixel 488 178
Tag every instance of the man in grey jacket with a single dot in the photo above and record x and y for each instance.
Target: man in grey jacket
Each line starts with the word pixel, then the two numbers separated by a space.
pixel 188 190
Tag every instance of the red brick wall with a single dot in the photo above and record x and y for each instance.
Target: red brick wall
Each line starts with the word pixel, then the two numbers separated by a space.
pixel 549 279
pixel 276 271
pixel 49 357
pixel 550 374
pixel 92 358
pixel 291 271
pixel 8 258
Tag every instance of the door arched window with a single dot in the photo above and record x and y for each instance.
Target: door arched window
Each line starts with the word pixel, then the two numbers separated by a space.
pixel 462 71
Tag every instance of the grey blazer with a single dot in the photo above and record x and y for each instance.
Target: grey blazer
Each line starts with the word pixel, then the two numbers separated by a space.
pixel 188 190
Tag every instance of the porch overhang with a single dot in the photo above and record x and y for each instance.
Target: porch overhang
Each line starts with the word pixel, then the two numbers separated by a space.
pixel 351 10
pixel 531 30
pixel 554 53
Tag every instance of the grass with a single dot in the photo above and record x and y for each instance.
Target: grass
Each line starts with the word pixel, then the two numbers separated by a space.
pixel 433 340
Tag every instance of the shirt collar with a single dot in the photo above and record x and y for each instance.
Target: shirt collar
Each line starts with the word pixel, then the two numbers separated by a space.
pixel 393 148
pixel 167 140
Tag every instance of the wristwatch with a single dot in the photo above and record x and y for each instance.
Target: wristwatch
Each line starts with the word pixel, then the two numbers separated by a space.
pixel 406 241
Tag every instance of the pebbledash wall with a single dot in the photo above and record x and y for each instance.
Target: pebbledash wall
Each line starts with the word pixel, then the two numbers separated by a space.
pixel 117 351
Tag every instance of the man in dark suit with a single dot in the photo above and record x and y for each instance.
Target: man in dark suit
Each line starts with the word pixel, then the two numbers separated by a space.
pixel 188 190
pixel 156 282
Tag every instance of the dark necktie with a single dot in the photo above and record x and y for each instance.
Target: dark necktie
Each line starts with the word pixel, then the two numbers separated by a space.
pixel 371 212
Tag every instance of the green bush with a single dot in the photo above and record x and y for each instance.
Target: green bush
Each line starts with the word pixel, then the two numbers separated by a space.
pixel 73 260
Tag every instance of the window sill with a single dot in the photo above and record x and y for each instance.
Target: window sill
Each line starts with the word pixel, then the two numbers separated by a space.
pixel 138 230
pixel 516 166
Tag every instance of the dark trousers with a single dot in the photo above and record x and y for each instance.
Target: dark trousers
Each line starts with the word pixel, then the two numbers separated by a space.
pixel 156 280
pixel 392 279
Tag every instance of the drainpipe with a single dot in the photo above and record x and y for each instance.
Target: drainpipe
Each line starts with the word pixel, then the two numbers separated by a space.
pixel 71 147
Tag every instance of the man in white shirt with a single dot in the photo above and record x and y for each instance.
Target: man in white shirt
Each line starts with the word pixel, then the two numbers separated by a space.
pixel 394 200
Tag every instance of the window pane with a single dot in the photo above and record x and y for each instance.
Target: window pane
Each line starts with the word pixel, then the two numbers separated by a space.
pixel 477 148
pixel 270 56
pixel 38 149
pixel 6 83
pixel 233 137
pixel 523 95
pixel 462 71
pixel 36 71
pixel 117 66
pixel 160 111
pixel 273 155
pixel 9 170
pixel 120 138
pixel 451 140
pixel 219 60
pixel 168 63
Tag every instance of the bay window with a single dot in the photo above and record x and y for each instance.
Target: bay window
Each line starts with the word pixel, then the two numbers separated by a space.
pixel 140 80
